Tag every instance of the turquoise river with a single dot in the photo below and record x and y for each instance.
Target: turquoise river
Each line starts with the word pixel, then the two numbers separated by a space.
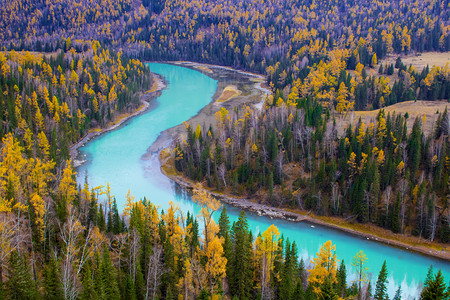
pixel 120 157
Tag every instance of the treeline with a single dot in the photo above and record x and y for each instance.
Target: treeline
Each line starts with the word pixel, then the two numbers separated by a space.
pixel 291 155
pixel 283 36
pixel 50 101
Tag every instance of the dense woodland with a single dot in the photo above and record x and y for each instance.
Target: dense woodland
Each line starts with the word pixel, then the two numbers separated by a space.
pixel 290 155
pixel 50 101
pixel 63 241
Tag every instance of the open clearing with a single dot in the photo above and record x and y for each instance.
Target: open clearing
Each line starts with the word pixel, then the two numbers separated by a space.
pixel 413 108
pixel 420 60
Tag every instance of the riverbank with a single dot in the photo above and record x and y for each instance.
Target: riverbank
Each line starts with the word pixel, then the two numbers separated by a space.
pixel 145 98
pixel 252 90
pixel 384 236
pixel 206 116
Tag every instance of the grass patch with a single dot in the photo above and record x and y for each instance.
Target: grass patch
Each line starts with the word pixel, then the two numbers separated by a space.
pixel 167 162
pixel 228 93
pixel 413 108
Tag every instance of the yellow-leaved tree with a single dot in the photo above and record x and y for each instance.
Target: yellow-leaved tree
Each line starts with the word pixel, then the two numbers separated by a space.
pixel 324 267
pixel 267 245
pixel 212 244
pixel 358 263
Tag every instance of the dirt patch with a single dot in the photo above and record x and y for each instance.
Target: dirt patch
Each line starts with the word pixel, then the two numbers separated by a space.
pixel 429 109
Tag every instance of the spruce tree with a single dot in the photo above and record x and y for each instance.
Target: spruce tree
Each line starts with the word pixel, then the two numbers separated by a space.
pixel 241 272
pixel 101 219
pixel 108 277
pixel 381 287
pixel 89 291
pixel 341 280
pixel 224 231
pixel 20 284
pixel 436 289
pixel 398 294
pixel 298 293
pixel 52 288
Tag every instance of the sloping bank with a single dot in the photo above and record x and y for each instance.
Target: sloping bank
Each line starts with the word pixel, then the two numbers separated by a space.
pixel 206 115
pixel 168 167
pixel 145 99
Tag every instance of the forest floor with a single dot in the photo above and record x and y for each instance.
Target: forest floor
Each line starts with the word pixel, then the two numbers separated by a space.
pixel 430 109
pixel 253 91
pixel 145 98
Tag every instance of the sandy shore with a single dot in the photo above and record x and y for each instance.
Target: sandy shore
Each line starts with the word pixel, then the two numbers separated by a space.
pixel 145 100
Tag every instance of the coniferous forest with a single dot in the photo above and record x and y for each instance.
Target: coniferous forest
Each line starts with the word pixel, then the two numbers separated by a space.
pixel 69 68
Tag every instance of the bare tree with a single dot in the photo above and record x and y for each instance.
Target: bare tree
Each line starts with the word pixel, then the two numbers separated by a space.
pixel 222 172
pixel 154 272
pixel 387 195
pixel 134 252
pixel 433 221
pixel 73 256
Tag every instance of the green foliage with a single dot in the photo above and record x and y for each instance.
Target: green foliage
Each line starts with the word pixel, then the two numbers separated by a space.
pixel 381 286
pixel 20 284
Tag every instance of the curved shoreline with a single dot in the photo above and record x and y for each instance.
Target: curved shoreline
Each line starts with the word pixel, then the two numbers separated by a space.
pixel 145 100
pixel 262 209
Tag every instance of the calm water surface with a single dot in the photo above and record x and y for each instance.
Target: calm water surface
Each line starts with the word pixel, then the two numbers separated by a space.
pixel 117 158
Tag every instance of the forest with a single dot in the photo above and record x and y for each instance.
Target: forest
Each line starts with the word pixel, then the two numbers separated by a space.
pixel 72 67
pixel 290 155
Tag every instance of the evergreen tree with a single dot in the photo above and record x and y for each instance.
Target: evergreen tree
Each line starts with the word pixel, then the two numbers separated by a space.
pixel 398 294
pixel 436 289
pixel 101 223
pixel 108 277
pixel 52 288
pixel 241 272
pixel 89 291
pixel 288 271
pixel 298 293
pixel 327 291
pixel 20 284
pixel 224 231
pixel 130 292
pixel 381 287
pixel 341 285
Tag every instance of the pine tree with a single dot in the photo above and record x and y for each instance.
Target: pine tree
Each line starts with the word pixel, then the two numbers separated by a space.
pixel 20 284
pixel 89 291
pixel 436 289
pixel 381 287
pixel 241 272
pixel 341 285
pixel 398 294
pixel 51 281
pixel 108 277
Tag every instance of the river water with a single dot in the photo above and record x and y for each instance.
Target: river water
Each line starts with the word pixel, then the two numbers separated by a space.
pixel 118 157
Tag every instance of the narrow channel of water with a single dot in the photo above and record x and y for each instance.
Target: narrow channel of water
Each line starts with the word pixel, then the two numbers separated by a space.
pixel 117 157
